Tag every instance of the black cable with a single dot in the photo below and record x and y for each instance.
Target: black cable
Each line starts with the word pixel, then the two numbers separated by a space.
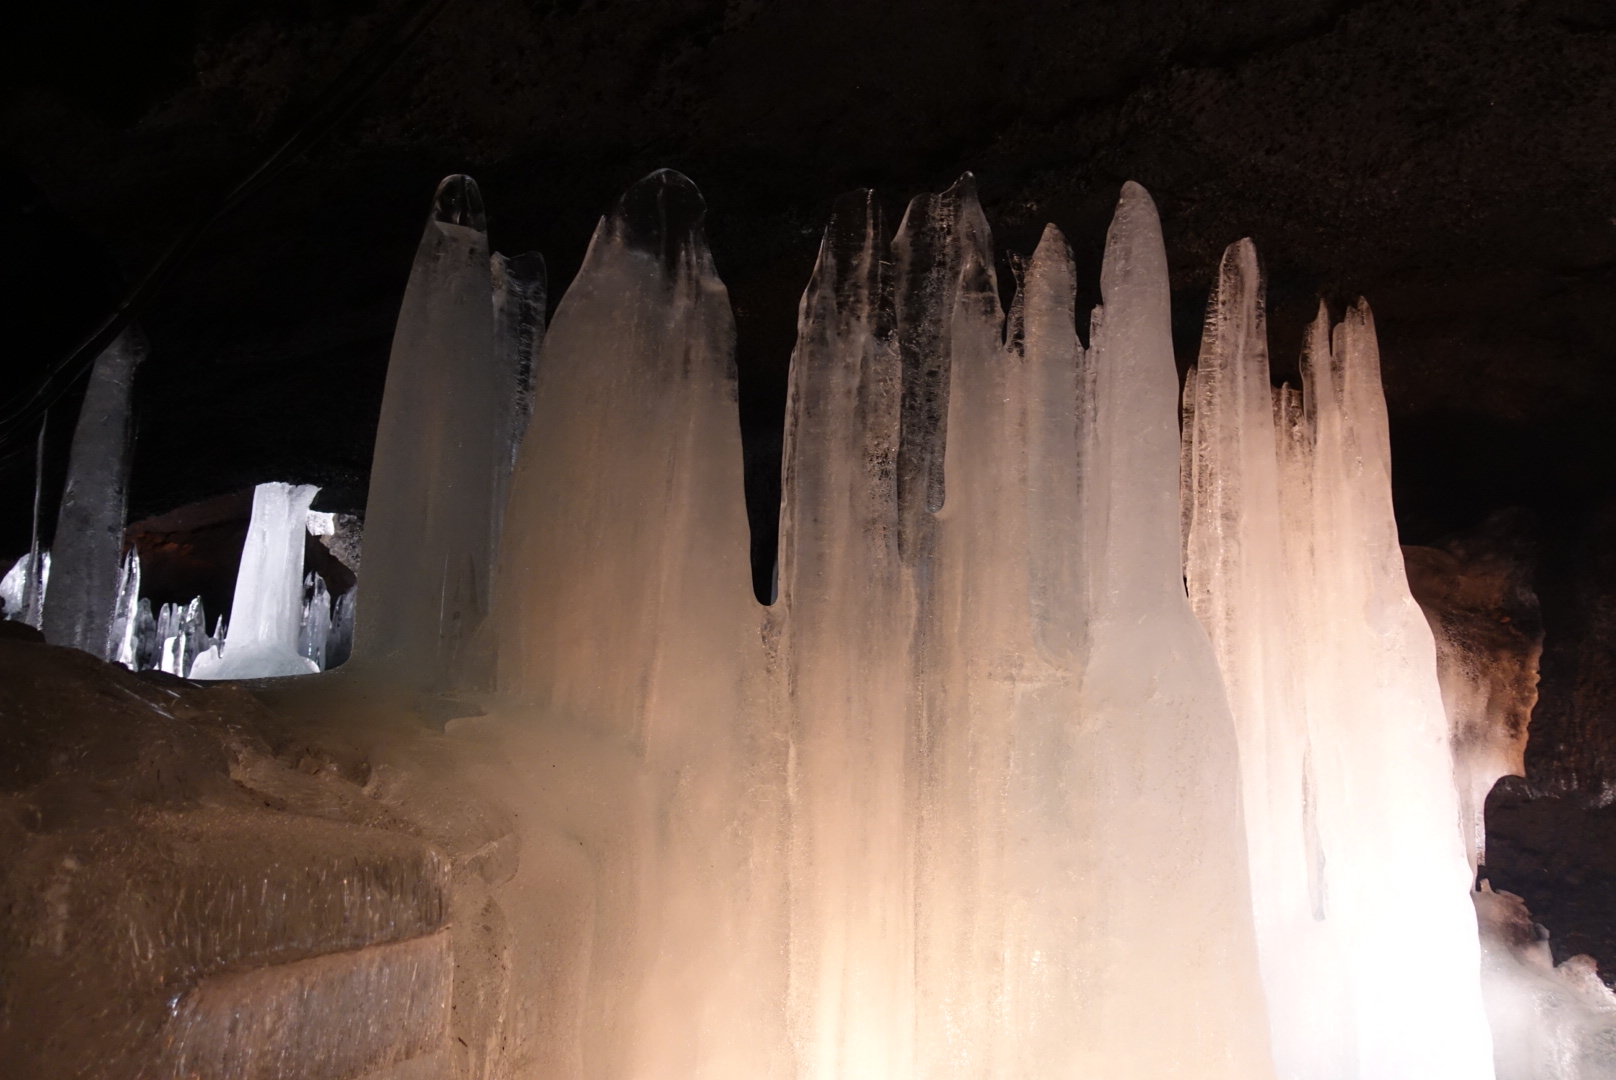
pixel 328 110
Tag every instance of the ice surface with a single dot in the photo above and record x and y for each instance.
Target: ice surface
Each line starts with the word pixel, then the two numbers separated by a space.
pixel 339 643
pixel 81 607
pixel 1358 870
pixel 428 540
pixel 267 609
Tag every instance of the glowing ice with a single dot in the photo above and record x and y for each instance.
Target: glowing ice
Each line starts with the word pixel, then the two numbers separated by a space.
pixel 268 606
pixel 519 286
pixel 80 608
pixel 1359 874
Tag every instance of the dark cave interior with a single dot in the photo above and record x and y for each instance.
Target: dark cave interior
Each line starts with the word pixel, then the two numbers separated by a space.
pixel 1452 162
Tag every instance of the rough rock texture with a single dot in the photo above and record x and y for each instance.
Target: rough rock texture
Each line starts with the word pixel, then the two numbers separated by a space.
pixel 189 849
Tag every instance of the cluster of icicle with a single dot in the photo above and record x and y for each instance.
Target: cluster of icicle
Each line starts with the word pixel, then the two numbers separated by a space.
pixel 286 621
pixel 967 801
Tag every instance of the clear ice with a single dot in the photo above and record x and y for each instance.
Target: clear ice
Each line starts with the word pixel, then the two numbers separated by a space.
pixel 1359 876
pixel 81 607
pixel 520 296
pixel 267 610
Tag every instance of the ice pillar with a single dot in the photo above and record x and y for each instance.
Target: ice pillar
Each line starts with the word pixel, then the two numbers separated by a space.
pixel 79 609
pixel 846 610
pixel 1167 935
pixel 627 623
pixel 429 542
pixel 1360 879
pixel 267 610
pixel 1244 567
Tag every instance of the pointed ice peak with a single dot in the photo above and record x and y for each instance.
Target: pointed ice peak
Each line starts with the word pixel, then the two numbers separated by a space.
pixel 662 215
pixel 1135 254
pixel 1319 382
pixel 522 273
pixel 459 202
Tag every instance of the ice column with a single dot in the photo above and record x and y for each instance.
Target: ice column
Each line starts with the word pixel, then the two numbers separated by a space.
pixel 428 542
pixel 89 526
pixel 519 309
pixel 1246 595
pixel 626 623
pixel 268 606
pixel 1166 935
pixel 1351 808
pixel 846 611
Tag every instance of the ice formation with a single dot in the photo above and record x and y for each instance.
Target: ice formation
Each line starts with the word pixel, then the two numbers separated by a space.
pixel 1359 876
pixel 439 447
pixel 24 586
pixel 89 525
pixel 267 610
pixel 314 630
pixel 901 824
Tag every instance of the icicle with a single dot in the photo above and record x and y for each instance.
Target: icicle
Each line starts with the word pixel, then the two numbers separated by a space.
pixel 315 630
pixel 121 634
pixel 268 603
pixel 428 544
pixel 90 522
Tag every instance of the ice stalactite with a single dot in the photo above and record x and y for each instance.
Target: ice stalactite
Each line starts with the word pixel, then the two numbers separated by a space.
pixel 846 613
pixel 627 626
pixel 1361 887
pixel 519 284
pixel 267 610
pixel 428 522
pixel 89 525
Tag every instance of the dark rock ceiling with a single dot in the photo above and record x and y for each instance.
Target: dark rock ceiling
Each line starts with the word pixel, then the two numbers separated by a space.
pixel 1454 161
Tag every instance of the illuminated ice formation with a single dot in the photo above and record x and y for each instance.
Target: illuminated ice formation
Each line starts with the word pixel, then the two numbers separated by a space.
pixel 267 610
pixel 519 284
pixel 1359 876
pixel 907 823
pixel 88 546
pixel 23 588
pixel 439 449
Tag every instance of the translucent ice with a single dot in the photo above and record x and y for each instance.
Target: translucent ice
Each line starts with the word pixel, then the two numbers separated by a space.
pixel 89 525
pixel 267 610
pixel 121 634
pixel 1368 942
pixel 314 630
pixel 24 585
pixel 428 522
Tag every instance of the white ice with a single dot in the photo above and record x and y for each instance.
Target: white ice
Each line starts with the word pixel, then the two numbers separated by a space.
pixel 267 608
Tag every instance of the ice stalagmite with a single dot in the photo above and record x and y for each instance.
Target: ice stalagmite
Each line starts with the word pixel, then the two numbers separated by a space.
pixel 1166 940
pixel 1360 880
pixel 268 607
pixel 79 610
pixel 847 616
pixel 628 629
pixel 1391 830
pixel 428 521
pixel 1245 593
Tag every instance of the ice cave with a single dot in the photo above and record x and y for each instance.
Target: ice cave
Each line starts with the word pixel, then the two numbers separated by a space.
pixel 1060 650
